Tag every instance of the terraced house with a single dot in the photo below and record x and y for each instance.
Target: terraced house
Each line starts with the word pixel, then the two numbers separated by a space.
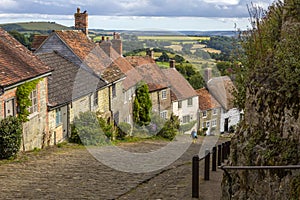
pixel 18 67
pixel 184 98
pixel 159 87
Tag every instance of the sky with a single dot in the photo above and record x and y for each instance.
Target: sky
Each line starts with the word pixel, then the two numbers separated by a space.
pixel 168 15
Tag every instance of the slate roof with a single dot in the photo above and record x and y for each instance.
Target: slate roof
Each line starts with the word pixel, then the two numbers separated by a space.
pixel 17 63
pixel 92 55
pixel 206 100
pixel 221 88
pixel 151 73
pixel 68 81
pixel 180 87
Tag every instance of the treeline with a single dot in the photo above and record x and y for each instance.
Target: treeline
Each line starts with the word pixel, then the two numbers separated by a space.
pixel 227 46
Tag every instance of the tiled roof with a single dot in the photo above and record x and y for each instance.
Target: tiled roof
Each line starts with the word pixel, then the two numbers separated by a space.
pixel 17 63
pixel 179 85
pixel 139 60
pixel 92 55
pixel 68 81
pixel 206 100
pixel 132 75
pixel 37 41
pixel 151 73
pixel 221 88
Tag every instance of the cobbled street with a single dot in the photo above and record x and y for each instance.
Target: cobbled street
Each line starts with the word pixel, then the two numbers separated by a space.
pixel 71 172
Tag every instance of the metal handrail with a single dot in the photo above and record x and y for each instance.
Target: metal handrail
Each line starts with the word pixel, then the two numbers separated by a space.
pixel 260 167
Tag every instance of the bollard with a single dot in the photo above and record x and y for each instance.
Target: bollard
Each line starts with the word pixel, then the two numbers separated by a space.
pixel 206 167
pixel 219 155
pixel 195 177
pixel 223 152
pixel 214 159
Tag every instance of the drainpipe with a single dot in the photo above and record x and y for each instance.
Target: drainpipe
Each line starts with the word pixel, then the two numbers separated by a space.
pixel 158 100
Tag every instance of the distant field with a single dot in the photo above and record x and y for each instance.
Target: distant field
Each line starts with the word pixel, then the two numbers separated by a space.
pixel 34 26
pixel 174 38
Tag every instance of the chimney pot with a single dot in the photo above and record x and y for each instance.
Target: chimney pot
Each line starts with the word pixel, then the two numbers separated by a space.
pixel 103 38
pixel 78 10
pixel 172 64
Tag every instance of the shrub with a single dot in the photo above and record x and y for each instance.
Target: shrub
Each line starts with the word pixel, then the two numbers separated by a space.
pixel 87 128
pixel 106 127
pixel 10 137
pixel 170 128
pixel 123 130
pixel 186 127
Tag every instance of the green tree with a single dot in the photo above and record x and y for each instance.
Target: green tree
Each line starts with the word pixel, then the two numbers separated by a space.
pixel 142 105
pixel 164 57
pixel 196 81
pixel 20 37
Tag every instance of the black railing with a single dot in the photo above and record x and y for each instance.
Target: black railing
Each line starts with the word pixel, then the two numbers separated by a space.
pixel 218 156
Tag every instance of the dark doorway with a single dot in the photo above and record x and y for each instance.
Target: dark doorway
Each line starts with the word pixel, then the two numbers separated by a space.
pixel 226 125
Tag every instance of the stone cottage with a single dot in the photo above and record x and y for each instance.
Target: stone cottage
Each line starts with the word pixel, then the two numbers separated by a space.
pixel 19 66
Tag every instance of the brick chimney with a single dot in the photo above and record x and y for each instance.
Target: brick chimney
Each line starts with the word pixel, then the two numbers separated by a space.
pixel 106 46
pixel 150 53
pixel 172 64
pixel 81 21
pixel 117 43
pixel 207 74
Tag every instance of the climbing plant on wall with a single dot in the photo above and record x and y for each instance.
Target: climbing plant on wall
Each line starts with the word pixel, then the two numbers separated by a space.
pixel 23 99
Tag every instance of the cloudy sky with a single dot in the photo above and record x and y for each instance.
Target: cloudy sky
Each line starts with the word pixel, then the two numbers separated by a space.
pixel 136 14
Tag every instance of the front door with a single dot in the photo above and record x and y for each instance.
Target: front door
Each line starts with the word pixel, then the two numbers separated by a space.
pixel 226 124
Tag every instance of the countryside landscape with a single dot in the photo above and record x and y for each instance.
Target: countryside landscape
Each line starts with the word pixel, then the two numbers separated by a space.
pixel 90 113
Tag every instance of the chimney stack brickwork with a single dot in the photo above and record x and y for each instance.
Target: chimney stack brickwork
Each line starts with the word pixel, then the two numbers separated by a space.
pixel 117 43
pixel 172 64
pixel 207 74
pixel 81 21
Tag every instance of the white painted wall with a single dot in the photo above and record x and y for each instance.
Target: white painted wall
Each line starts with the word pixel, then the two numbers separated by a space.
pixel 186 110
pixel 233 115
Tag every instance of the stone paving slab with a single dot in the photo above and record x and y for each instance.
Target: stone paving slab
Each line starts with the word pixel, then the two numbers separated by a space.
pixel 73 173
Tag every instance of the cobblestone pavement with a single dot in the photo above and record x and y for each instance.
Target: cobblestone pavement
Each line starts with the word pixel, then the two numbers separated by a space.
pixel 73 173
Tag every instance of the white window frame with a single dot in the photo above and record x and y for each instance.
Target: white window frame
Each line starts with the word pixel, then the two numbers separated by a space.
pixel 186 119
pixel 163 114
pixel 215 111
pixel 208 124
pixel 179 104
pixel 214 123
pixel 204 114
pixel 33 96
pixel 190 102
pixel 164 94
pixel 58 117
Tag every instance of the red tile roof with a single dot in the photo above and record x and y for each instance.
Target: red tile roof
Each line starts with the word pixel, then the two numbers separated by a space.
pixel 151 73
pixel 180 87
pixel 132 75
pixel 17 63
pixel 206 100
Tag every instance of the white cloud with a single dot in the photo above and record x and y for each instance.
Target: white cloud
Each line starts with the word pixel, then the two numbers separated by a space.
pixel 222 2
pixel 8 4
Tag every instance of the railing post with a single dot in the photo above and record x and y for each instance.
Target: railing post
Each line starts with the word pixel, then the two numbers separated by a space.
pixel 195 177
pixel 223 152
pixel 214 159
pixel 206 165
pixel 229 143
pixel 219 155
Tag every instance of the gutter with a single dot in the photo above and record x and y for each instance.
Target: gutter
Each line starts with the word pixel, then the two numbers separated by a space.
pixel 25 81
